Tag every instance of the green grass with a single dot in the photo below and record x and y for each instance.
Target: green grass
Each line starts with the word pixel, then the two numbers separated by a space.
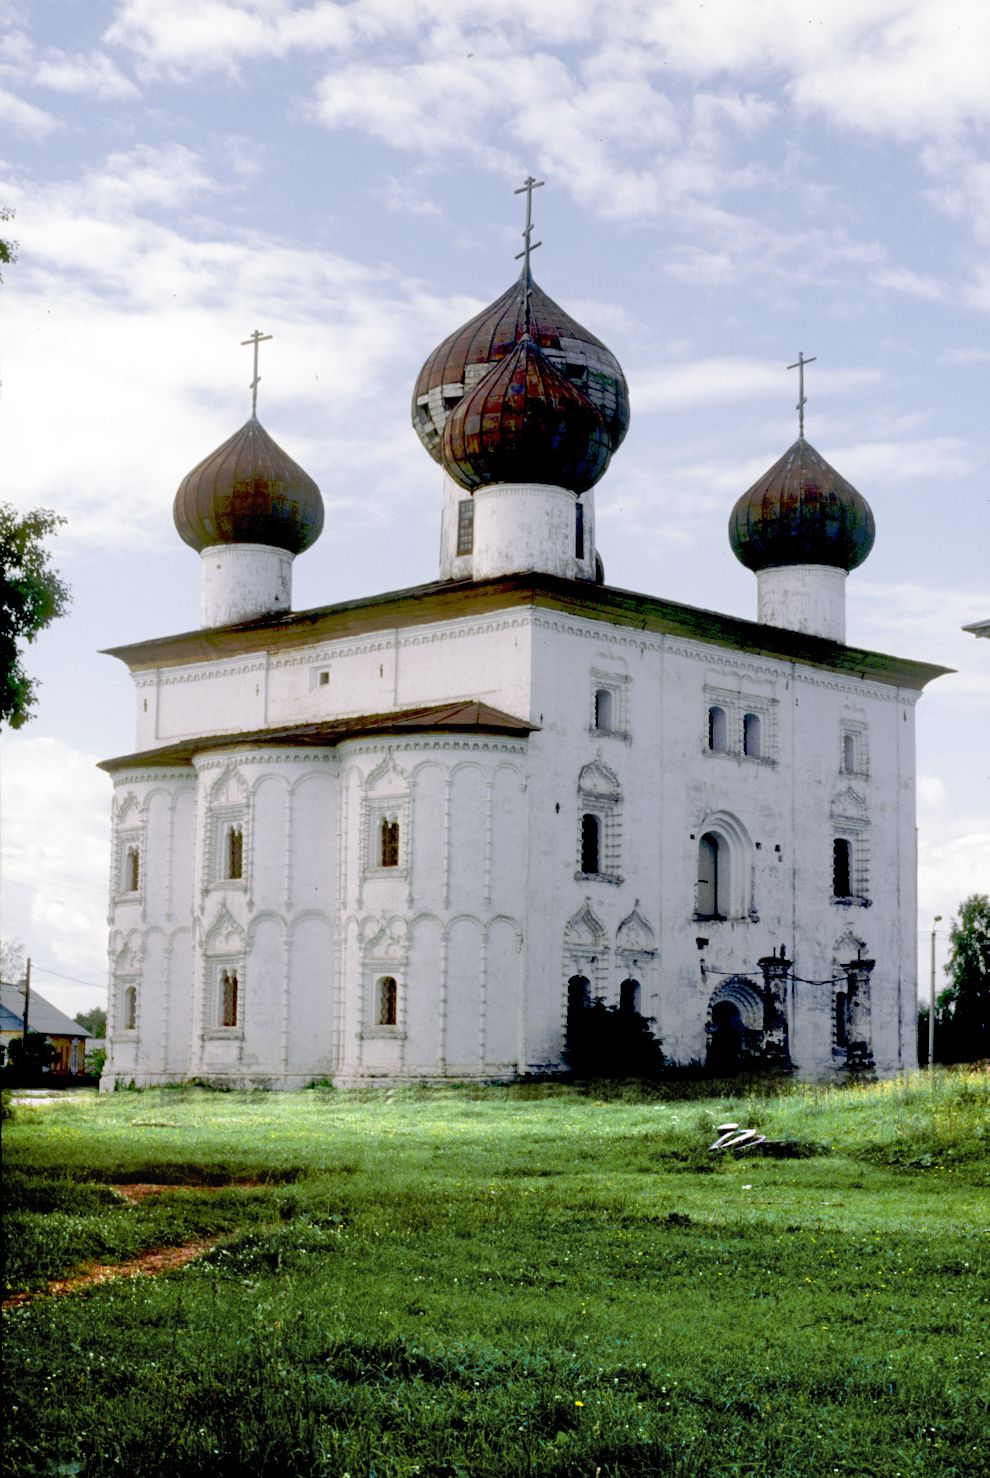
pixel 528 1280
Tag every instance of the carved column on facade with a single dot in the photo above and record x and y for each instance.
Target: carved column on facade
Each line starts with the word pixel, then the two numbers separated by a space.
pixel 776 1041
pixel 859 1052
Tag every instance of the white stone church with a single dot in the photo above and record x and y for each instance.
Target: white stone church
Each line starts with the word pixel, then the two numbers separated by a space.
pixel 410 836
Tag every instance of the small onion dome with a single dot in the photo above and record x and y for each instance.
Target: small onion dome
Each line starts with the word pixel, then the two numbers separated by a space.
pixel 524 422
pixel 249 491
pixel 801 512
pixel 468 353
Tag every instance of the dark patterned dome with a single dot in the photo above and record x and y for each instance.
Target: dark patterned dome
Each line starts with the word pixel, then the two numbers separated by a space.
pixel 801 512
pixel 249 491
pixel 524 422
pixel 468 354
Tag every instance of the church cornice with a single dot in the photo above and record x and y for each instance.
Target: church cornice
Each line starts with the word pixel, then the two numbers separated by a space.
pixel 470 720
pixel 444 601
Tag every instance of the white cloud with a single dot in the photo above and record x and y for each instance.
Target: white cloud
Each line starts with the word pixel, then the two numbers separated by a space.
pixel 193 36
pixel 132 329
pixel 403 198
pixel 24 118
pixel 907 71
pixel 94 75
pixel 710 381
pixel 913 284
pixel 933 458
pixel 56 844
pixel 927 621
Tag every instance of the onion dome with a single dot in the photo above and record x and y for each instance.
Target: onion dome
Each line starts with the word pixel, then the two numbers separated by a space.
pixel 467 354
pixel 801 512
pixel 249 491
pixel 524 422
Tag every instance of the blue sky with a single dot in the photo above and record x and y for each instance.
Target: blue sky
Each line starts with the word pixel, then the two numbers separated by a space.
pixel 726 185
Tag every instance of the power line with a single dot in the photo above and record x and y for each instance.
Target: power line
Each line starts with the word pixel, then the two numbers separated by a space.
pixel 73 978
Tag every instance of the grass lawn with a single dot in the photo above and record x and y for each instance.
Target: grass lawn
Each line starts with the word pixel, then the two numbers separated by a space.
pixel 524 1280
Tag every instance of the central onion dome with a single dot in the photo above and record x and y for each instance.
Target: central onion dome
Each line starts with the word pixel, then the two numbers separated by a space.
pixel 524 422
pixel 249 491
pixel 468 354
pixel 801 512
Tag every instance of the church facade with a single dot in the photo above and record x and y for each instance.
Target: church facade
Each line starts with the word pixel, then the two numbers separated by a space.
pixel 409 837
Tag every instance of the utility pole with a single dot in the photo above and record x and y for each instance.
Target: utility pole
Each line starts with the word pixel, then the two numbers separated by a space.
pixel 931 1001
pixel 27 1001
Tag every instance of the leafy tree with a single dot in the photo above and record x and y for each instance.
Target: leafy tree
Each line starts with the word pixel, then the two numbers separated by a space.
pixel 32 1054
pixel 966 1001
pixel 8 249
pixel 612 1042
pixel 95 1021
pixel 32 596
pixel 11 961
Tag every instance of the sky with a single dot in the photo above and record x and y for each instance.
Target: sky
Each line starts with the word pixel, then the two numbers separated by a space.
pixel 727 185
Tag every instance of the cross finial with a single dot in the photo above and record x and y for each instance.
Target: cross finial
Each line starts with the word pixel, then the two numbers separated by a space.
pixel 799 365
pixel 529 246
pixel 256 338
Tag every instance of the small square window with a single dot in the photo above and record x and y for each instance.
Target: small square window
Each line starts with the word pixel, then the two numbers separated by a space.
pixel 324 679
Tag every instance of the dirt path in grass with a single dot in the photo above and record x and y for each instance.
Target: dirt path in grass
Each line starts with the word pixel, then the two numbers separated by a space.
pixel 147 1264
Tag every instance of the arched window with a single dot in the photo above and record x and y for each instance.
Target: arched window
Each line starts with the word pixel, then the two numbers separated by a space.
pixel 629 995
pixel 388 1001
pixel 578 1001
pixel 234 858
pixel 591 835
pixel 228 998
pixel 712 877
pixel 717 735
pixel 132 870
pixel 849 754
pixel 388 837
pixel 603 710
pixel 841 868
pixel 752 737
pixel 130 1008
pixel 841 1019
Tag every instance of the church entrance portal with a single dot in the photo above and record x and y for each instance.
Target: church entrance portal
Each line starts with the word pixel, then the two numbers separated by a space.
pixel 735 1027
pixel 725 1045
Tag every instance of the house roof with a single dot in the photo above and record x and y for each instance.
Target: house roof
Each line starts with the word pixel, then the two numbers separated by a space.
pixel 447 718
pixel 422 605
pixel 43 1017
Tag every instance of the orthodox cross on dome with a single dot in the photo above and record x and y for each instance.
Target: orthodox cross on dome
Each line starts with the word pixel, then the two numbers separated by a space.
pixel 529 246
pixel 799 365
pixel 256 338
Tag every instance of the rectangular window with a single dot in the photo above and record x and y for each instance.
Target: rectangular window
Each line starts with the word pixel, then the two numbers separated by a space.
pixel 228 998
pixel 235 853
pixel 841 868
pixel 579 530
pixel 590 844
pixel 389 843
pixel 465 526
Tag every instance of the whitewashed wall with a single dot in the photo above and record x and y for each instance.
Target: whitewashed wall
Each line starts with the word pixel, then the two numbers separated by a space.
pixel 487 913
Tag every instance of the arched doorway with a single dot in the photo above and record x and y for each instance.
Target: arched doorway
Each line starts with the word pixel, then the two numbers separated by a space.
pixel 735 1027
pixel 725 1042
